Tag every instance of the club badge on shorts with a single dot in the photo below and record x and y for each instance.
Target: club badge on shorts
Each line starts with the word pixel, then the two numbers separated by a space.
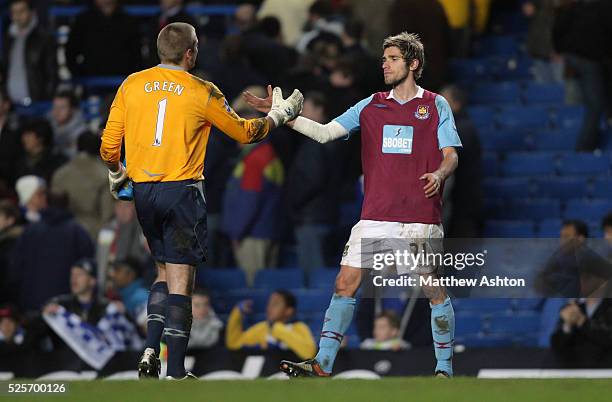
pixel 422 112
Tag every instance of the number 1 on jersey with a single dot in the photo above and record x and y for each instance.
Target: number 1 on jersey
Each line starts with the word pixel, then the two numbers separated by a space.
pixel 159 129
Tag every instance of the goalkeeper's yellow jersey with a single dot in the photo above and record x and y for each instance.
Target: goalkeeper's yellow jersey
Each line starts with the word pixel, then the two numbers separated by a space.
pixel 165 115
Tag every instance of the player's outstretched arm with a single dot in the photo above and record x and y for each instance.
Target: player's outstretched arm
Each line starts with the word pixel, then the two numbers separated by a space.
pixel 221 115
pixel 447 167
pixel 319 132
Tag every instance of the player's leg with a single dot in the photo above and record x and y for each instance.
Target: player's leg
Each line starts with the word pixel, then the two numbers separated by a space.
pixel 338 317
pixel 149 365
pixel 156 309
pixel 442 327
pixel 144 200
pixel 180 279
pixel 430 238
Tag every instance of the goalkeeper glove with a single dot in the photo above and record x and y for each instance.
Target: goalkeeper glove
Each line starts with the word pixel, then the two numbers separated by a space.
pixel 284 110
pixel 117 180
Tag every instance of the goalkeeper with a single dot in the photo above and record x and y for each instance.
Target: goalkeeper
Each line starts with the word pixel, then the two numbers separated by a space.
pixel 165 115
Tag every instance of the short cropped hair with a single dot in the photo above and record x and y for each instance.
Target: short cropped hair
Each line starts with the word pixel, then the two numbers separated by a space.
pixel 70 96
pixel 391 316
pixel 174 40
pixel 579 226
pixel 411 47
pixel 288 298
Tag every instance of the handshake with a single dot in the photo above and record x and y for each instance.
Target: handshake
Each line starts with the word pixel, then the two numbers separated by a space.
pixel 279 110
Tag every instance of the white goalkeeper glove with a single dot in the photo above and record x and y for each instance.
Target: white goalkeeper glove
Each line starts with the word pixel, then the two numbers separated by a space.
pixel 284 110
pixel 116 180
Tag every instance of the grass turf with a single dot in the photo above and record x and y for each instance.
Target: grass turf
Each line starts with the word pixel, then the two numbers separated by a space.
pixel 415 389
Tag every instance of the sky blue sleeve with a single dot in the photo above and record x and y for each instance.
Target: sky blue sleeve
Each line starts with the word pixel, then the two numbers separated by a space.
pixel 447 131
pixel 350 119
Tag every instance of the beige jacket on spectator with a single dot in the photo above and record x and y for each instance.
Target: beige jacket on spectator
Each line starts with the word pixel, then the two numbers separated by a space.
pixel 84 180
pixel 292 15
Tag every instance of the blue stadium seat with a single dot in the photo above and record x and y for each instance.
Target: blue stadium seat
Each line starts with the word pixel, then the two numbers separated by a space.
pixel 312 300
pixel 526 117
pixel 602 187
pixel 221 279
pixel 515 323
pixel 497 45
pixel 502 140
pixel 509 229
pixel 535 93
pixel 584 163
pixel 500 92
pixel 529 164
pixel 512 68
pixel 323 278
pixel 508 187
pixel 587 209
pixel 482 305
pixel 536 209
pixel 470 69
pixel 554 140
pixel 467 323
pixel 562 188
pixel 490 164
pixel 483 116
pixel 279 279
pixel 595 229
pixel 532 304
pixel 485 341
pixel 568 117
pixel 224 301
pixel 549 228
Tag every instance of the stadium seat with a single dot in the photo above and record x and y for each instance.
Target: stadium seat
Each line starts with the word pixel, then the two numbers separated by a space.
pixel 221 279
pixel 529 164
pixel 483 116
pixel 499 92
pixel 485 341
pixel 562 188
pixel 569 117
pixel 224 301
pixel 467 323
pixel 532 304
pixel 602 187
pixel 470 69
pixel 515 323
pixel 511 68
pixel 584 163
pixel 549 228
pixel 553 140
pixel 535 93
pixel 496 45
pixel 482 305
pixel 508 187
pixel 490 164
pixel 323 278
pixel 509 229
pixel 279 279
pixel 582 209
pixel 502 140
pixel 523 117
pixel 537 209
pixel 312 300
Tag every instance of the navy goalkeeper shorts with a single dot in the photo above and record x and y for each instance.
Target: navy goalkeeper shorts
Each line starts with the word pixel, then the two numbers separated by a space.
pixel 173 219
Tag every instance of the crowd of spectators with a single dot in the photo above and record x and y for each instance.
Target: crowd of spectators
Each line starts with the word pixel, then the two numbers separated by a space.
pixel 55 208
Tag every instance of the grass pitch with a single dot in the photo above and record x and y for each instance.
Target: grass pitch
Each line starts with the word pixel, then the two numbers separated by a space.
pixel 414 389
